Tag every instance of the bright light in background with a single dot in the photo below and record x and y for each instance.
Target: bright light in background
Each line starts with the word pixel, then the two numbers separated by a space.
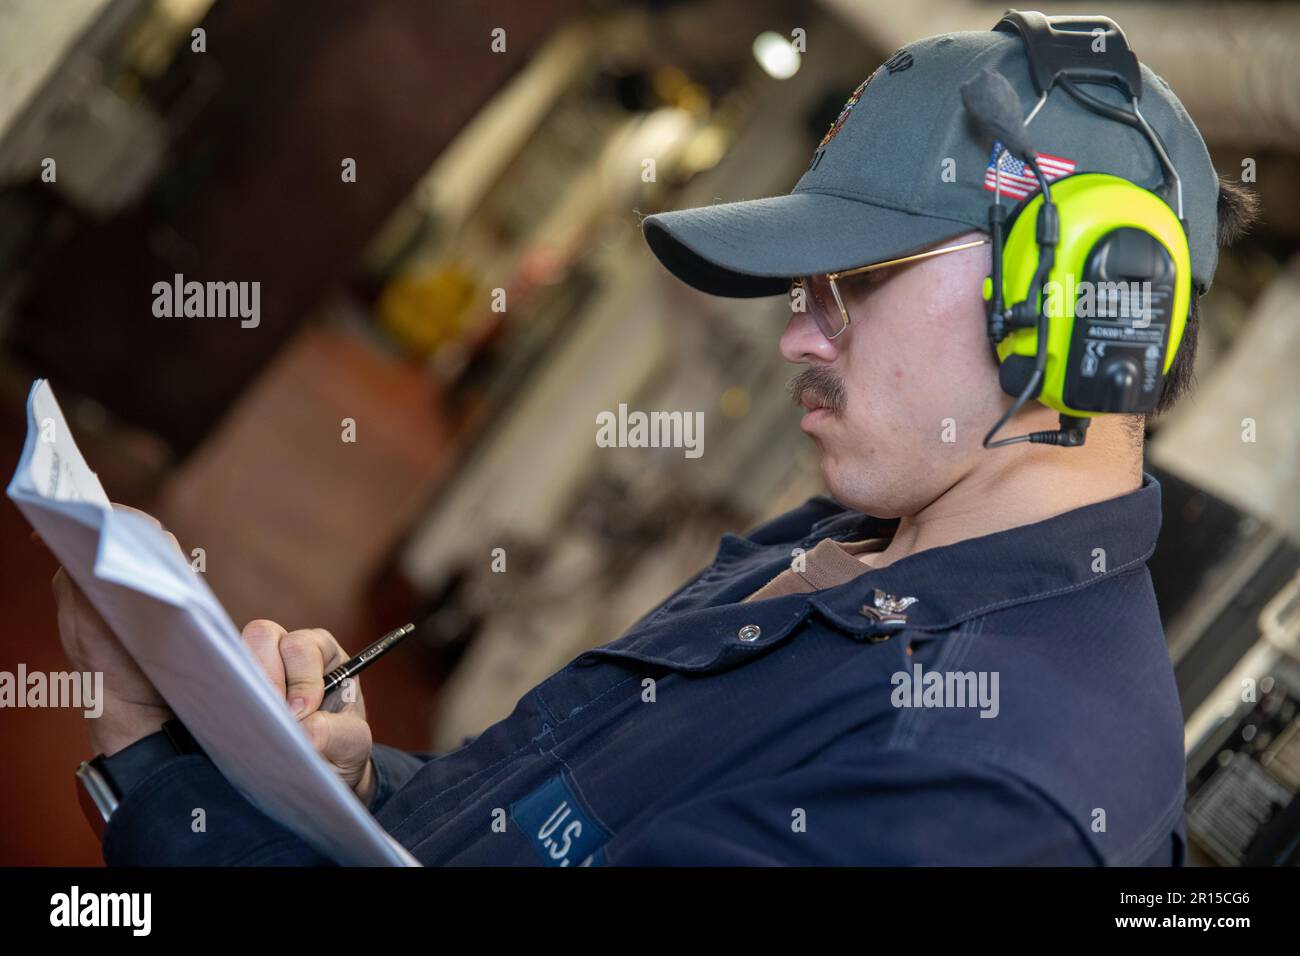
pixel 775 55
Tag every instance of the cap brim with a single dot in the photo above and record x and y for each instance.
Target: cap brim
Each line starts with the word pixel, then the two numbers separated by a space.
pixel 753 248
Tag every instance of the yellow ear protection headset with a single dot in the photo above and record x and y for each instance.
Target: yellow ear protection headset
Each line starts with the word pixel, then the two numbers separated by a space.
pixel 1091 279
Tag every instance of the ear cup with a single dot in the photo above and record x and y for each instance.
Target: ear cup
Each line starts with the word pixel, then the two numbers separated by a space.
pixel 1117 351
pixel 1112 231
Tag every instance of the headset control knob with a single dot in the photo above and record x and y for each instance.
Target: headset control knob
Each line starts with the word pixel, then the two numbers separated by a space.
pixel 1123 380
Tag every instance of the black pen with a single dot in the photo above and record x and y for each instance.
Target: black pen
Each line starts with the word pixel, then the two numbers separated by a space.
pixel 367 657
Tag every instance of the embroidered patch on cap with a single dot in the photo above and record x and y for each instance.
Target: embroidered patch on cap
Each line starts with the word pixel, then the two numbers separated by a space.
pixel 900 61
pixel 848 108
pixel 558 827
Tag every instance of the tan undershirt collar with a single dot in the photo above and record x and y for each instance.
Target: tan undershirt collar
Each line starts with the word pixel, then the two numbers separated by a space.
pixel 829 564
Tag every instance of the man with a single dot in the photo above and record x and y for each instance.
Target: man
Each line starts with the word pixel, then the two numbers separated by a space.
pixel 976 676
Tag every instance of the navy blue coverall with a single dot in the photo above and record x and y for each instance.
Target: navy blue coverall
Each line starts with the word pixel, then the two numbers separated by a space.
pixel 794 730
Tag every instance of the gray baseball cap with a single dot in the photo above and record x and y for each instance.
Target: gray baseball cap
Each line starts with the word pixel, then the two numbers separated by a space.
pixel 903 167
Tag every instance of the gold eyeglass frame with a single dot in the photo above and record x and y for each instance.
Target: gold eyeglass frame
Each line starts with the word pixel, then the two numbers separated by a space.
pixel 845 273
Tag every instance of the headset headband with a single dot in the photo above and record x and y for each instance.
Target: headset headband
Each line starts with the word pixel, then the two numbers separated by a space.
pixel 1067 47
pixel 1064 50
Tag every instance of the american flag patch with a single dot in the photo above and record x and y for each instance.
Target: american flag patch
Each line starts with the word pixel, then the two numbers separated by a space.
pixel 1017 178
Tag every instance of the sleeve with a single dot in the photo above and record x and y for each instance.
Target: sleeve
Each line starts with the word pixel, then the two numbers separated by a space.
pixel 891 808
pixel 155 824
pixel 393 769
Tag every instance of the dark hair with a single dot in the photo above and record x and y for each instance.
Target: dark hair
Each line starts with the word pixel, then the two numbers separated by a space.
pixel 1238 211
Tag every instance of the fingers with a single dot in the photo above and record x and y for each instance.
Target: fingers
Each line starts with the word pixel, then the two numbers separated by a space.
pixel 308 655
pixel 295 662
pixel 67 608
pixel 67 596
pixel 263 640
pixel 60 584
pixel 72 606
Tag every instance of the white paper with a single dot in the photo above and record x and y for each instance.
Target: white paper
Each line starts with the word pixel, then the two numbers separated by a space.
pixel 177 631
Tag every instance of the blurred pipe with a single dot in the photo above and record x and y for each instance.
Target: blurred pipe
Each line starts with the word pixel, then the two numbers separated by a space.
pixel 57 101
pixel 35 37
pixel 471 164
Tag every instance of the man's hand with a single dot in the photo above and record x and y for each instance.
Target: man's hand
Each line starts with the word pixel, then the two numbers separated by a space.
pixel 296 662
pixel 133 708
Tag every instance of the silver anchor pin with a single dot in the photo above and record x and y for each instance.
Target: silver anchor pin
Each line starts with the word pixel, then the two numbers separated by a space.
pixel 891 604
pixel 888 609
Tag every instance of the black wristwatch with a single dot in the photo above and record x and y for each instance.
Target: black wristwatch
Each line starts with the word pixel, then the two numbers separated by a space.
pixel 104 781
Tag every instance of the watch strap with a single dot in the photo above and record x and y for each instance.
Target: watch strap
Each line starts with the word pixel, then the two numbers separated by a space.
pixel 105 781
pixel 132 764
pixel 181 737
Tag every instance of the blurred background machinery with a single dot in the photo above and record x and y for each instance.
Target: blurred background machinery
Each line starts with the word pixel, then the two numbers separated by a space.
pixel 480 293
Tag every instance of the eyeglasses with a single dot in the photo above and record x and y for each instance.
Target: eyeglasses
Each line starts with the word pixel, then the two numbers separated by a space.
pixel 829 310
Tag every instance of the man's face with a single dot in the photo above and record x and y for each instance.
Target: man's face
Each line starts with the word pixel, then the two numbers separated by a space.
pixel 911 386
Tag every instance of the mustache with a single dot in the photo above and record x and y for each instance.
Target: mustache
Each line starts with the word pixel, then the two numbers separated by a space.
pixel 820 386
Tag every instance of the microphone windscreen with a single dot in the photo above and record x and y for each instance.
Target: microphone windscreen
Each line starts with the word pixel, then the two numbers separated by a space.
pixel 990 98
